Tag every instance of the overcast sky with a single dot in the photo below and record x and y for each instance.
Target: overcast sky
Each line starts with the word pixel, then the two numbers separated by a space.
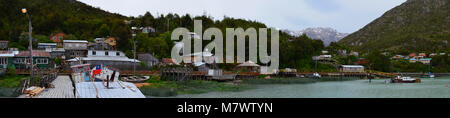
pixel 344 15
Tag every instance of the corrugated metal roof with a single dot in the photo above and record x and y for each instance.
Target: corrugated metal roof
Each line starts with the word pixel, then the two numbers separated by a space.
pixel 75 41
pixel 46 43
pixel 36 53
pixel 105 58
pixel 352 66
pixel 8 53
pixel 249 64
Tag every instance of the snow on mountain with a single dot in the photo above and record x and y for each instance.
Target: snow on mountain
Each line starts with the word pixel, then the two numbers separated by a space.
pixel 327 35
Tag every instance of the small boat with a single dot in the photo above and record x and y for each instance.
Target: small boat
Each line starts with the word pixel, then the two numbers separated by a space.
pixel 135 79
pixel 316 75
pixel 430 75
pixel 401 79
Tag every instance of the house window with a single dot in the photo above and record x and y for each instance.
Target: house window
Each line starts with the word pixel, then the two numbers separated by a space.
pixel 106 53
pixel 18 61
pixel 94 53
pixel 41 61
pixel 117 54
pixel 3 61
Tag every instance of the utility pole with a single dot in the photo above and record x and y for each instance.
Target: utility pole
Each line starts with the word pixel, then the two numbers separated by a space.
pixel 30 30
pixel 134 50
pixel 168 24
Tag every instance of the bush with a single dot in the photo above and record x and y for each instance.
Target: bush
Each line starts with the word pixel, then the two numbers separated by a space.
pixel 11 70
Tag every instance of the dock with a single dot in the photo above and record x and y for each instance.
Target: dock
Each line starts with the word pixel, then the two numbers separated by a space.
pixel 99 90
pixel 63 88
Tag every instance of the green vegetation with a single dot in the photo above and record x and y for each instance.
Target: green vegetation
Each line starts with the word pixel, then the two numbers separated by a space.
pixel 416 25
pixel 10 81
pixel 378 61
pixel 441 63
pixel 403 65
pixel 298 53
pixel 81 21
pixel 162 88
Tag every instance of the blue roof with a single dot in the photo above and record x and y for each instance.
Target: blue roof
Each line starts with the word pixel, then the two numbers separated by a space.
pixel 425 59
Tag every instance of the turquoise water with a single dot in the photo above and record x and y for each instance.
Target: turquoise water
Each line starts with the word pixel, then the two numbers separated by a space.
pixel 429 88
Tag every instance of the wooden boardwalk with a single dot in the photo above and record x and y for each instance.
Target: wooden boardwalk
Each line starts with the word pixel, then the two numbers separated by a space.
pixel 98 90
pixel 62 89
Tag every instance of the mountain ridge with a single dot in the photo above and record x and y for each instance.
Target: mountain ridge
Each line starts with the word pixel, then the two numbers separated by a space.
pixel 326 34
pixel 415 25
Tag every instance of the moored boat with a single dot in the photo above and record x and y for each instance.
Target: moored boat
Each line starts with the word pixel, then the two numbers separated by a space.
pixel 135 79
pixel 401 79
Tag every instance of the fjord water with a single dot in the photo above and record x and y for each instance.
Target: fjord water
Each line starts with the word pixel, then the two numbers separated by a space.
pixel 429 88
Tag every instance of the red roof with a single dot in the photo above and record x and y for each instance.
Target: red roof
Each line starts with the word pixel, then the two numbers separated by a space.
pixel 57 36
pixel 168 60
pixel 412 55
pixel 362 61
pixel 36 53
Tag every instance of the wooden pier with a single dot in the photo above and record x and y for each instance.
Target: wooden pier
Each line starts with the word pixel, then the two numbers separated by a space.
pixel 116 89
pixel 63 88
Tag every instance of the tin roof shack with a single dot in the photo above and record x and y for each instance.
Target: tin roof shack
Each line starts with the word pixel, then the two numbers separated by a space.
pixel 6 58
pixel 75 48
pixel 41 59
pixel 57 38
pixel 56 52
pixel 116 59
pixel 249 66
pixel 4 44
pixel 46 45
pixel 352 68
pixel 99 44
pixel 149 59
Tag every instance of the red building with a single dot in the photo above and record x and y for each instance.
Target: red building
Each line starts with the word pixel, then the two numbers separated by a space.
pixel 58 38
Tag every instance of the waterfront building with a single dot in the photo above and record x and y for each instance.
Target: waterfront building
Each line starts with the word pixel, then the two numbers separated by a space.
pixel 149 59
pixel 351 68
pixel 75 48
pixel 56 52
pixel 46 45
pixel 6 58
pixel 248 66
pixel 116 59
pixel 41 59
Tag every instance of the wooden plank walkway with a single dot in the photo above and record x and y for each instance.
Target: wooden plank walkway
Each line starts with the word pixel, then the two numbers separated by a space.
pixel 116 90
pixel 63 89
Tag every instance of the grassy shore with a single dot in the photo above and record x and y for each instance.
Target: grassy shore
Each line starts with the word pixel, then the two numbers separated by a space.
pixel 160 88
pixel 8 83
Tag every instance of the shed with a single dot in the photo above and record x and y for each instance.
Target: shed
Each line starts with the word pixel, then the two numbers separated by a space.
pixel 352 68
pixel 249 66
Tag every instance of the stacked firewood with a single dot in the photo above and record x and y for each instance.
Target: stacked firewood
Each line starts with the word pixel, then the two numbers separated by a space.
pixel 34 91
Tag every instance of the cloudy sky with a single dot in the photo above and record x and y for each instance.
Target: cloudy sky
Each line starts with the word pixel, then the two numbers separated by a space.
pixel 344 15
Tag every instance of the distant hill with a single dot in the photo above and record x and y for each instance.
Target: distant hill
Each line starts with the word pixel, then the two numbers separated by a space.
pixel 416 25
pixel 53 16
pixel 327 35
